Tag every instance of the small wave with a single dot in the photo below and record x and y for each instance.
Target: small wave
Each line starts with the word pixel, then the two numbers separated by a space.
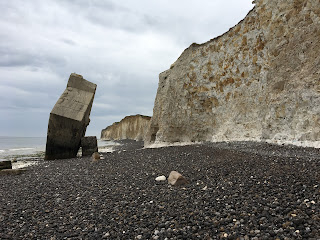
pixel 21 149
pixel 23 164
pixel 2 151
pixel 106 149
pixel 104 143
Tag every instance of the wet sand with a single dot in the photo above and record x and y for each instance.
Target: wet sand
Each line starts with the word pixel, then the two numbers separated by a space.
pixel 236 191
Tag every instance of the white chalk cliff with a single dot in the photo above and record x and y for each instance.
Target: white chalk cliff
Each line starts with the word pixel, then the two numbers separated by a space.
pixel 131 127
pixel 258 81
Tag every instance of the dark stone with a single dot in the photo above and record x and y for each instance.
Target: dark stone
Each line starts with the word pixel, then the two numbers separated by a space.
pixel 89 145
pixel 5 164
pixel 12 171
pixel 69 118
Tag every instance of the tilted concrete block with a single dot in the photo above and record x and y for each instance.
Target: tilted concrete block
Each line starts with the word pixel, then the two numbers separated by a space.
pixel 69 118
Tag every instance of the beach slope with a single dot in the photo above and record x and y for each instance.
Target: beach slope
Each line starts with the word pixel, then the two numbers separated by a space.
pixel 235 190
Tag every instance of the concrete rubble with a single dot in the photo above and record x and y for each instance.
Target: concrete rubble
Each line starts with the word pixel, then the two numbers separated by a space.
pixel 5 164
pixel 12 171
pixel 69 118
pixel 89 145
pixel 96 156
pixel 176 179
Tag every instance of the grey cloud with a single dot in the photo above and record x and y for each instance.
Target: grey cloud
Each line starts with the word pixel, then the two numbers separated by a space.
pixel 127 98
pixel 68 41
pixel 83 5
pixel 16 58
pixel 23 123
pixel 122 18
pixel 13 98
pixel 10 59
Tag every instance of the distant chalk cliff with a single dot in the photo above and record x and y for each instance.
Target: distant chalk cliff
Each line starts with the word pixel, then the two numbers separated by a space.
pixel 258 81
pixel 131 127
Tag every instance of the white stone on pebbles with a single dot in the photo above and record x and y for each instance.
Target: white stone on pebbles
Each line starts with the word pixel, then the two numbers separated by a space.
pixel 161 178
pixel 107 235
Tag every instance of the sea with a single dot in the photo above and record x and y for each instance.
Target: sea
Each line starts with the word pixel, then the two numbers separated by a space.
pixel 25 151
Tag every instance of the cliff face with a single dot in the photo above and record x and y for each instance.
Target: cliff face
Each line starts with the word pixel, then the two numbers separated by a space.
pixel 258 81
pixel 131 127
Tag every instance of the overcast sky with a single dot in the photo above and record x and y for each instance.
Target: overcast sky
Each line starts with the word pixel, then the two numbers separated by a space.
pixel 122 46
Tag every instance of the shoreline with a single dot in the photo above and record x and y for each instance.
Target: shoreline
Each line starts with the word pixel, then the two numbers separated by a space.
pixel 27 160
pixel 248 190
pixel 24 160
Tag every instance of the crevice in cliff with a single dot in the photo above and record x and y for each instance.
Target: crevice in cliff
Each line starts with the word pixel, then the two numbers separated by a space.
pixel 154 131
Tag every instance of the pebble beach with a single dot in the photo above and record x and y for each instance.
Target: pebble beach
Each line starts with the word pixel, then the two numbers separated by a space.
pixel 241 190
